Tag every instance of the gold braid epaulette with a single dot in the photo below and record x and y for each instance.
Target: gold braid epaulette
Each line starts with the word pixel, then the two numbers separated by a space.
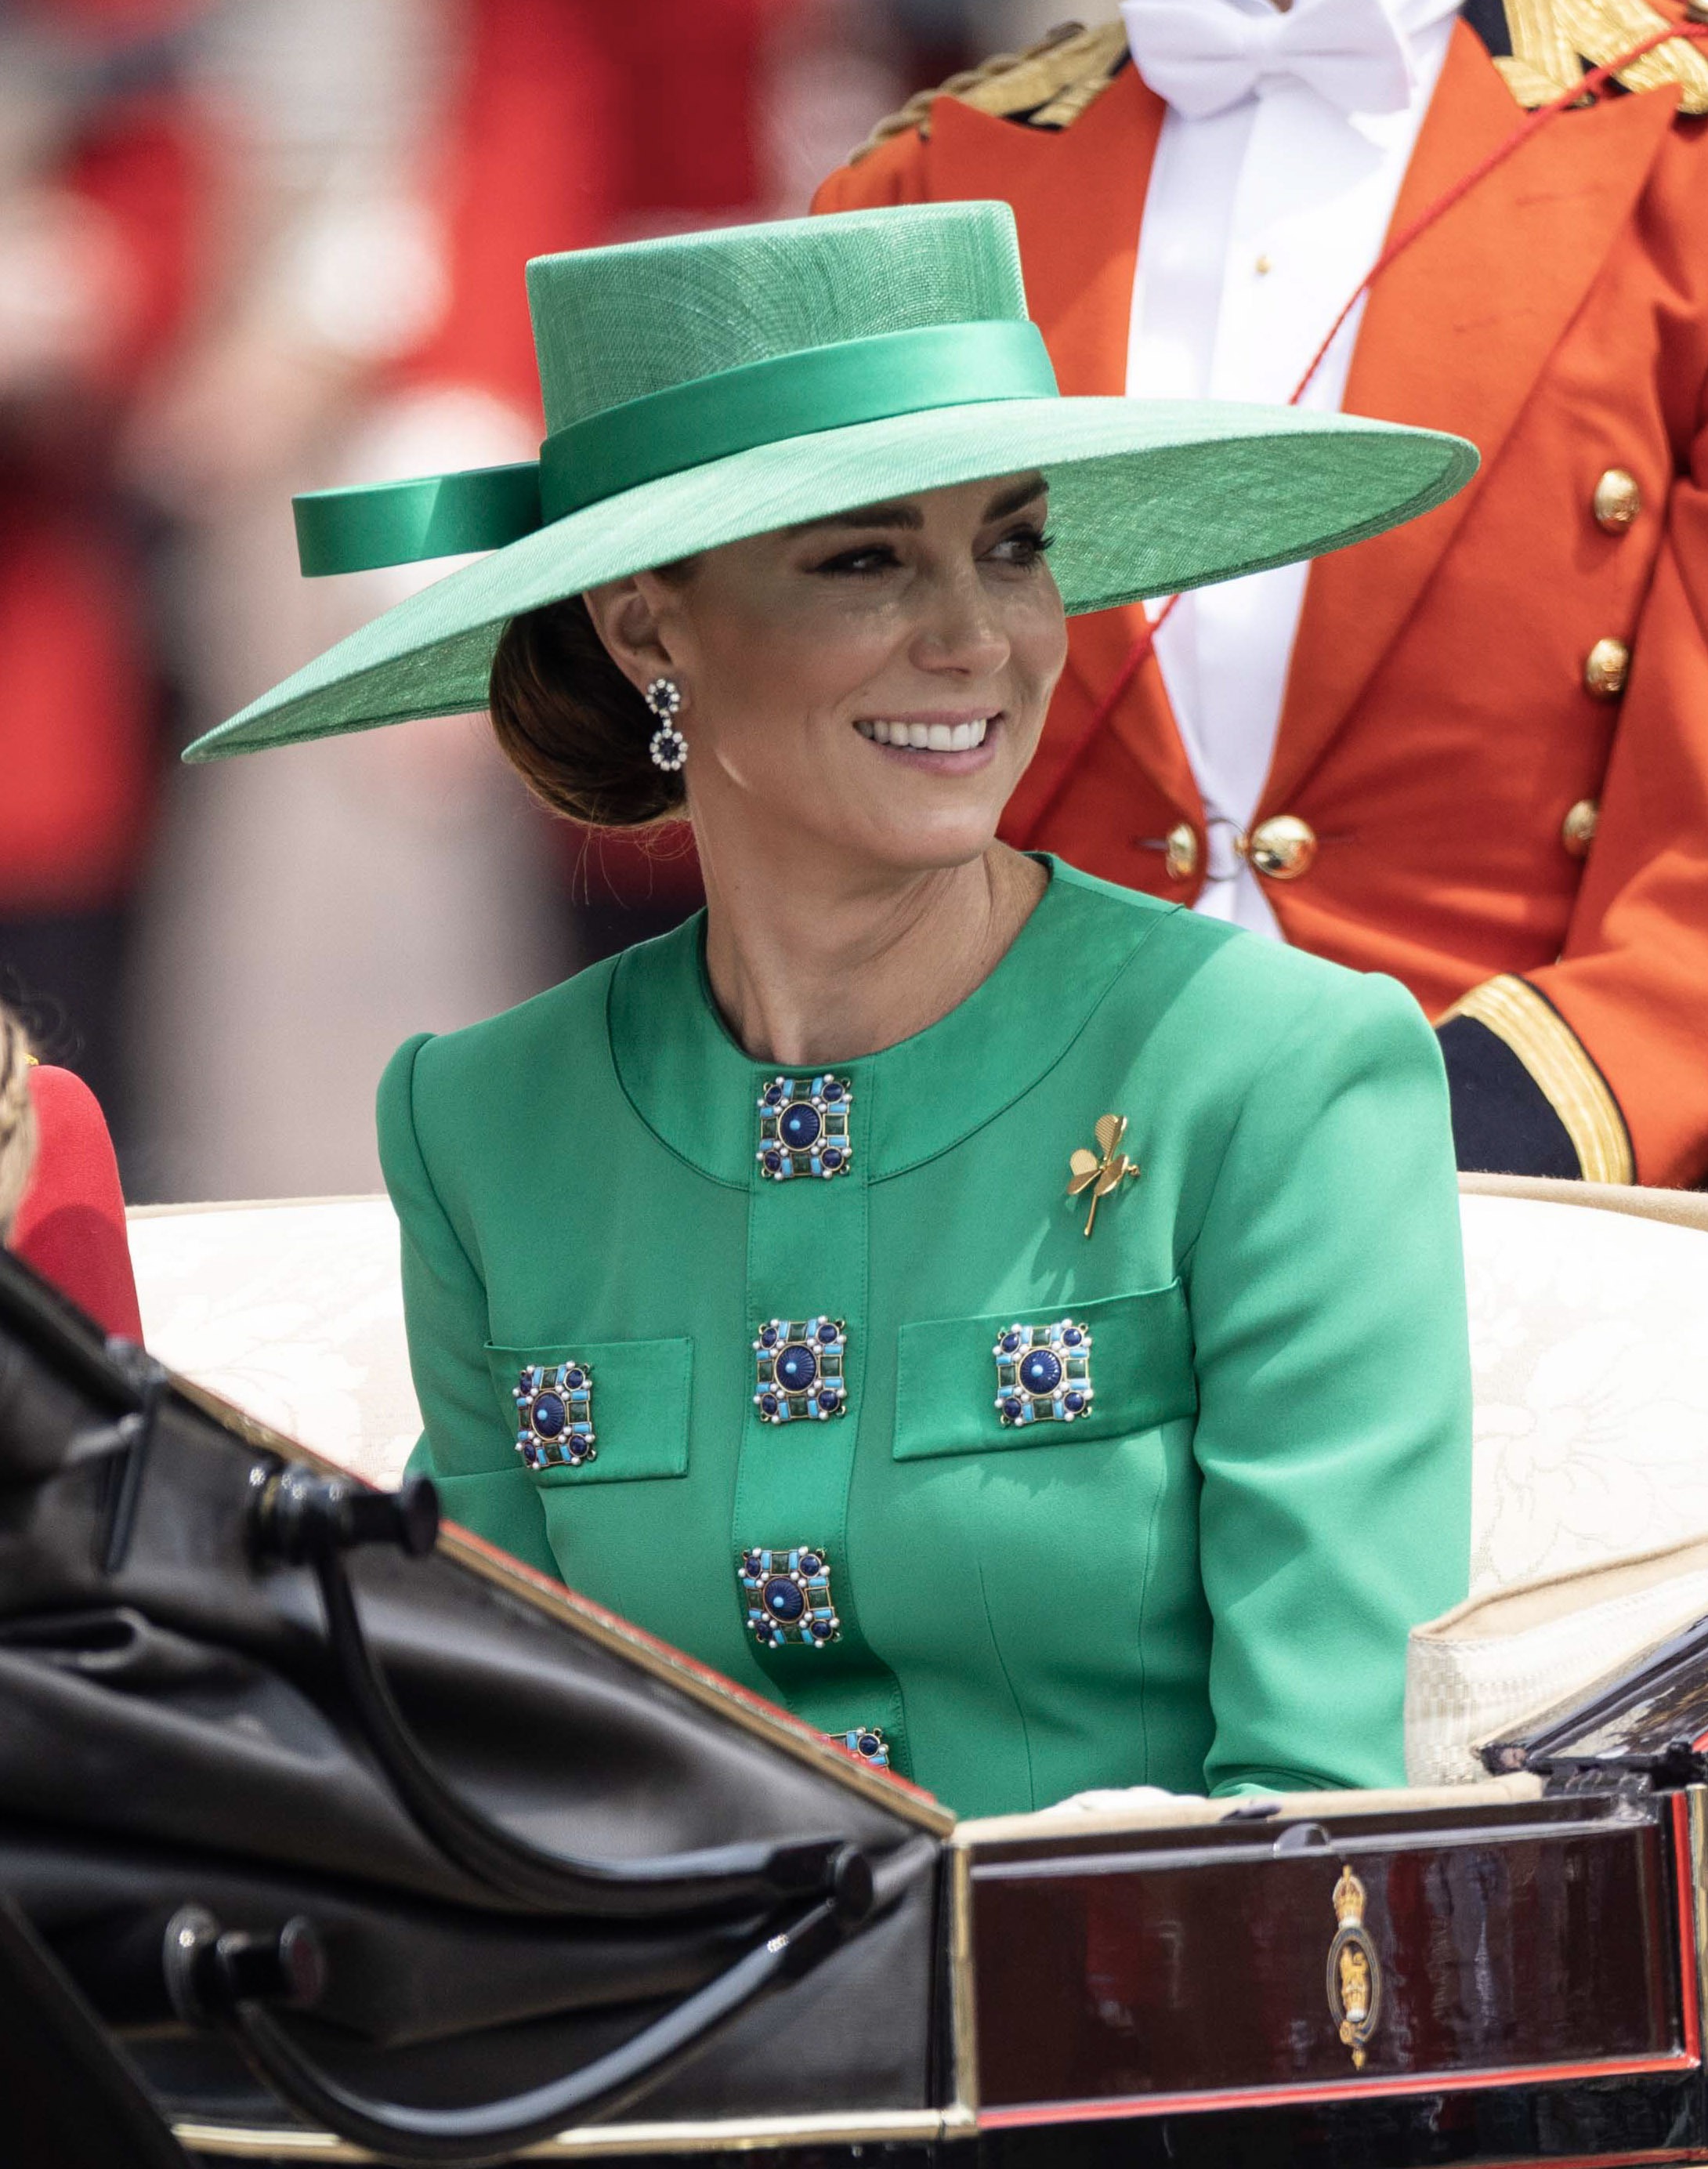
pixel 1047 86
pixel 1553 39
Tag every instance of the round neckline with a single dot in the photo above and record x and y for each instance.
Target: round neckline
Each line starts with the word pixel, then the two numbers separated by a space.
pixel 846 1065
pixel 696 1088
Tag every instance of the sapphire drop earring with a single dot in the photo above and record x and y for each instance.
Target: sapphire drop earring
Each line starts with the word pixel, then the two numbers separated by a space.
pixel 668 747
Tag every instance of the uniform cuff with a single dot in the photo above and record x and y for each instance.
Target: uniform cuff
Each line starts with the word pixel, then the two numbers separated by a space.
pixel 1527 1098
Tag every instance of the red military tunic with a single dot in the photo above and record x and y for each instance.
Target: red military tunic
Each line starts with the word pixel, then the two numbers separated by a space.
pixel 1439 736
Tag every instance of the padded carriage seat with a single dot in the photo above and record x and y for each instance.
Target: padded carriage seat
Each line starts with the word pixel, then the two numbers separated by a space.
pixel 1589 1324
pixel 291 1308
pixel 1589 1318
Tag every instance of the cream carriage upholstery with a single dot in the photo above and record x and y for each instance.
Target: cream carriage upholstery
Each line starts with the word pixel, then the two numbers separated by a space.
pixel 293 1309
pixel 1590 1345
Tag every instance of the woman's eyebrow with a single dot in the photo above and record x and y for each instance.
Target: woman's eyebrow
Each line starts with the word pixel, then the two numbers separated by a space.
pixel 1006 501
pixel 870 516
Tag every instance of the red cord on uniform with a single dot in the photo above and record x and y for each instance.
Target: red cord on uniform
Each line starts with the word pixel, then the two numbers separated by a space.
pixel 1590 86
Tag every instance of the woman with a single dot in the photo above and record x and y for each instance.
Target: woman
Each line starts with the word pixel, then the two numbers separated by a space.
pixel 744 1291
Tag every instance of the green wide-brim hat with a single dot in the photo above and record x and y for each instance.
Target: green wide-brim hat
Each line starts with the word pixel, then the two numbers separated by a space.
pixel 705 387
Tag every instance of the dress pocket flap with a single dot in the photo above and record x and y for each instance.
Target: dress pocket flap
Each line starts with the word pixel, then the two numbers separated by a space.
pixel 596 1411
pixel 1136 1350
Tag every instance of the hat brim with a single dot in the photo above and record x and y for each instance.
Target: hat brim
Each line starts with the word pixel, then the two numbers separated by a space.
pixel 1147 498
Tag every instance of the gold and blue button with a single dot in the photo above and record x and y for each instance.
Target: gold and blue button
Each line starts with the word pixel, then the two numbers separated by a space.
pixel 555 1414
pixel 786 1595
pixel 804 1127
pixel 800 1365
pixel 1043 1373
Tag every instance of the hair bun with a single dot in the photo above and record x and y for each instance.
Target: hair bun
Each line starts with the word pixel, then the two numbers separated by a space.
pixel 572 725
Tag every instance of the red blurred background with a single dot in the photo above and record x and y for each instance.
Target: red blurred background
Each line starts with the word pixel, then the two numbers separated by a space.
pixel 248 247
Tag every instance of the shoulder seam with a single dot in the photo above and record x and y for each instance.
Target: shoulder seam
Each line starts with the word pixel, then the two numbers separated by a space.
pixel 1380 983
pixel 424 1040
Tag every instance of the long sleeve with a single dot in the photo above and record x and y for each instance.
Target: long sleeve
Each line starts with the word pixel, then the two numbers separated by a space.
pixel 464 1445
pixel 1333 1441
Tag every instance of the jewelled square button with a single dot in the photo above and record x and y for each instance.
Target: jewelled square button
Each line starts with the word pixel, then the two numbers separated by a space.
pixel 786 1597
pixel 799 1365
pixel 866 1744
pixel 804 1127
pixel 555 1414
pixel 1043 1373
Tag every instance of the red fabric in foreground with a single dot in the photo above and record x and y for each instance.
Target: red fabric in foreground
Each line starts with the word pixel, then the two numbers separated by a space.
pixel 70 1224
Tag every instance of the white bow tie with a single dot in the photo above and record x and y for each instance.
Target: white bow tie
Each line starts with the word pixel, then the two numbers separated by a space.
pixel 1204 56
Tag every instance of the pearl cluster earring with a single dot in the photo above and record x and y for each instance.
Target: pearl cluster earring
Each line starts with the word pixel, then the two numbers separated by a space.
pixel 667 746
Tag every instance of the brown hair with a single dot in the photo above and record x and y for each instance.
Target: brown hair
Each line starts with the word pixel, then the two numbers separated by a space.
pixel 572 725
pixel 17 1118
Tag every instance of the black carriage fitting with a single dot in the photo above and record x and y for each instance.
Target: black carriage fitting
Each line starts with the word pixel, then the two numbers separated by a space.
pixel 297 1515
pixel 492 2130
pixel 209 1970
pixel 311 1520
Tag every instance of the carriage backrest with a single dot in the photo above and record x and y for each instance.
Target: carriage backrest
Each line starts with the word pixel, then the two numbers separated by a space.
pixel 1589 1343
pixel 1590 1348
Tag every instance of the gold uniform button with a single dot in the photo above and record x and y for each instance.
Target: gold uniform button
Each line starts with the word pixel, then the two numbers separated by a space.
pixel 1578 829
pixel 1281 847
pixel 1180 851
pixel 1617 501
pixel 1604 670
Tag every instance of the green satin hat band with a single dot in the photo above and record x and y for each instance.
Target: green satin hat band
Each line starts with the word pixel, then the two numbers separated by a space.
pixel 400 523
pixel 710 418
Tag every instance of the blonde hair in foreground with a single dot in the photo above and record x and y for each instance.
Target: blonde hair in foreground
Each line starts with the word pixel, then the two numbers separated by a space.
pixel 17 1119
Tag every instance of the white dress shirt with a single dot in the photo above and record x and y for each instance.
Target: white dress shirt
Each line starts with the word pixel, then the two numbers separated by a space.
pixel 1261 218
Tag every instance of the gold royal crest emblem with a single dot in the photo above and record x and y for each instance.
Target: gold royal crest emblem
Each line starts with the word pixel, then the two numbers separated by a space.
pixel 1355 1972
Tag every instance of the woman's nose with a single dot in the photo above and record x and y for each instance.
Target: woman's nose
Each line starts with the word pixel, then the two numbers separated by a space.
pixel 959 629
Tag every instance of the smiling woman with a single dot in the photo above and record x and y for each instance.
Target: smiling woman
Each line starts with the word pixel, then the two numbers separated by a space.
pixel 746 1290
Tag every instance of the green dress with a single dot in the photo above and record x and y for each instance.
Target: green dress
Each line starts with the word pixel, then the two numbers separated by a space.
pixel 1201 1576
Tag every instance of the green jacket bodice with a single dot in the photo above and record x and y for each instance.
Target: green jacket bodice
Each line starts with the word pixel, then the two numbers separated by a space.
pixel 1203 1578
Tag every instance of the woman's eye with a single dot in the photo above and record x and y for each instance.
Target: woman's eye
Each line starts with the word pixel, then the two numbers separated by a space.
pixel 1022 545
pixel 869 557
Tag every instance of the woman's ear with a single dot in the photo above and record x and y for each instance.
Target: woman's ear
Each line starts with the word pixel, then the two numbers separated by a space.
pixel 626 616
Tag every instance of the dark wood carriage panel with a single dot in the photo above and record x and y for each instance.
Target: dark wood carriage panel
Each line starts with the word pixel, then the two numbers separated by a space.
pixel 1631 2123
pixel 1516 1945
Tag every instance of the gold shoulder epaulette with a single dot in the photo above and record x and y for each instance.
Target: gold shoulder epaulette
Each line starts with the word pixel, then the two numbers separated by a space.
pixel 1048 86
pixel 1553 39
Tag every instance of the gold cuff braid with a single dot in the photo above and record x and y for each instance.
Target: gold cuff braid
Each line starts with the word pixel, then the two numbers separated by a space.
pixel 1551 1051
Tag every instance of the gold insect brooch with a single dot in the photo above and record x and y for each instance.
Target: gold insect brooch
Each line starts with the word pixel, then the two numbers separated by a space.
pixel 1104 1171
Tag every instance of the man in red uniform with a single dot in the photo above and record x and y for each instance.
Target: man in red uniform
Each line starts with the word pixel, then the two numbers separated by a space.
pixel 1473 752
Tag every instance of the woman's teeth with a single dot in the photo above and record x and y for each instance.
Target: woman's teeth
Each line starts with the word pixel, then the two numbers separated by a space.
pixel 926 738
